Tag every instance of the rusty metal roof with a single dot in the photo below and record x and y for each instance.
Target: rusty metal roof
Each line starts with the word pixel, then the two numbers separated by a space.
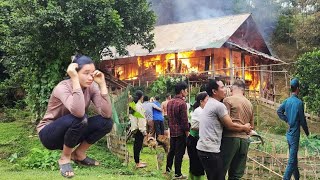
pixel 195 35
pixel 254 52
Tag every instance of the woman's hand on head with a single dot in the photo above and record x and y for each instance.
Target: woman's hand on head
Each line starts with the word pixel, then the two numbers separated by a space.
pixel 98 77
pixel 72 72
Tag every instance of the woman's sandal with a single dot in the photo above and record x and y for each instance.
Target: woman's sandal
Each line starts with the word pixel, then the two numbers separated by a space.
pixel 64 168
pixel 86 162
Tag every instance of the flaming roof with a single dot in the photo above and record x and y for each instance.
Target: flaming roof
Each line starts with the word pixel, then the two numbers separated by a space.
pixel 202 34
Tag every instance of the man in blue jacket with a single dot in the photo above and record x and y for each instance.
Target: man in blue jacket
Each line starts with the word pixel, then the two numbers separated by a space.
pixel 292 112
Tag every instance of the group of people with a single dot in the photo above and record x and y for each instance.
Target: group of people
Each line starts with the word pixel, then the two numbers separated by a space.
pixel 202 134
pixel 215 121
pixel 216 135
pixel 149 125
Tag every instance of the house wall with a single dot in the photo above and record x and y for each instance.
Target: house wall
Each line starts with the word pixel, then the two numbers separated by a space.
pixel 228 64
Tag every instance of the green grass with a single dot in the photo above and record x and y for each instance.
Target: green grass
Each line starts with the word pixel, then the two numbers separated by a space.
pixel 9 171
pixel 150 157
pixel 18 138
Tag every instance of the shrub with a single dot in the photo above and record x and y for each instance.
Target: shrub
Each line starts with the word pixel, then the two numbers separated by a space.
pixel 41 159
pixel 308 70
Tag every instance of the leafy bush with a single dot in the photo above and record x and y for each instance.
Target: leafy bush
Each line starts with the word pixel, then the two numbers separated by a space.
pixel 164 85
pixel 41 159
pixel 308 70
pixel 312 143
pixel 280 128
pixel 12 114
pixel 10 93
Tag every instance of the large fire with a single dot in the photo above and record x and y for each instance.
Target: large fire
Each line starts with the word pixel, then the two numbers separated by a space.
pixel 248 76
pixel 193 62
pixel 185 58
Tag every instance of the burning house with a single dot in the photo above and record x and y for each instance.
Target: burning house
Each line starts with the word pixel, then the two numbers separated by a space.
pixel 227 47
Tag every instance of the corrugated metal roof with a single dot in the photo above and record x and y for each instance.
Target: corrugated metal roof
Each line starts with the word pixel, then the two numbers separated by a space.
pixel 254 52
pixel 195 35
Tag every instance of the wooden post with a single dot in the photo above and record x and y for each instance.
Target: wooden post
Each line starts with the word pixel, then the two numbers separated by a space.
pixel 273 150
pixel 305 108
pixel 189 91
pixel 212 63
pixel 231 68
pixel 285 76
pixel 246 171
pixel 142 68
pixel 253 169
pixel 305 162
pixel 258 115
pixel 261 80
pixel 176 62
pixel 262 163
pixel 243 66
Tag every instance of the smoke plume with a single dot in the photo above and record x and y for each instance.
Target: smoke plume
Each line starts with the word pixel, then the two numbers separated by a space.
pixel 265 12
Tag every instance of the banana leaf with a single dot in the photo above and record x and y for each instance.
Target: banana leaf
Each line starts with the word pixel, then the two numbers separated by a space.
pixel 136 114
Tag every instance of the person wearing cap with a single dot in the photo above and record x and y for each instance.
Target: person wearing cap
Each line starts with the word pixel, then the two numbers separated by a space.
pixel 66 125
pixel 292 112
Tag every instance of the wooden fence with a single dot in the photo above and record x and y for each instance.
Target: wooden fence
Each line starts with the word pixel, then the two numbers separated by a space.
pixel 116 139
pixel 274 105
pixel 117 145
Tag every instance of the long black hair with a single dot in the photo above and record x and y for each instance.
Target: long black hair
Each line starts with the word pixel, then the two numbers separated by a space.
pixel 138 94
pixel 81 60
pixel 200 97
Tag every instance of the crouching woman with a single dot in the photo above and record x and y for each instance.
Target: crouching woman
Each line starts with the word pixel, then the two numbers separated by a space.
pixel 66 126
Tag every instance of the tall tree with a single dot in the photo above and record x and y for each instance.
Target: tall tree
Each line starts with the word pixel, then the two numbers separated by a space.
pixel 41 35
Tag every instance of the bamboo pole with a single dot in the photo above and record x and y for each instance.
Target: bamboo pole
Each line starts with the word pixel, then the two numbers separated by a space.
pixel 253 168
pixel 266 167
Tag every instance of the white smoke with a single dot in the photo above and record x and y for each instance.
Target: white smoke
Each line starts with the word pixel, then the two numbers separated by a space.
pixel 264 12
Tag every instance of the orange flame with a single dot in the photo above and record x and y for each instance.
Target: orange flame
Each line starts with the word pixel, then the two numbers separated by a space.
pixel 248 76
pixel 185 59
pixel 228 65
pixel 187 54
pixel 139 60
pixel 170 56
